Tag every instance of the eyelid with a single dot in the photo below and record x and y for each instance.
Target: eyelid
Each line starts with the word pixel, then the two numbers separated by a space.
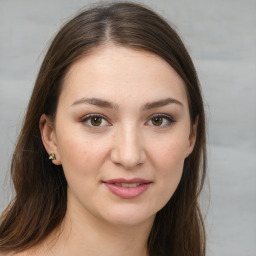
pixel 163 115
pixel 168 117
pixel 87 117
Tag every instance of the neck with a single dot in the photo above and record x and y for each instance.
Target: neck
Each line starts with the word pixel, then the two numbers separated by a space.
pixel 86 235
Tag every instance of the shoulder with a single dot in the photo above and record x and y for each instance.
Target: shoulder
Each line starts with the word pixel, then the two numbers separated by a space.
pixel 6 254
pixel 10 254
pixel 15 254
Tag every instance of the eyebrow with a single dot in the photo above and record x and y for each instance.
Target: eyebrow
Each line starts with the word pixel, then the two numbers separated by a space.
pixel 97 102
pixel 161 103
pixel 106 104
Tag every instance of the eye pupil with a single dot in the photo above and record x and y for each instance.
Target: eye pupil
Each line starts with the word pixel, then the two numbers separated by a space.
pixel 157 121
pixel 96 121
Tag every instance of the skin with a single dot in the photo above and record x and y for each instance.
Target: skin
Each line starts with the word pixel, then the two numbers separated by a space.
pixel 129 142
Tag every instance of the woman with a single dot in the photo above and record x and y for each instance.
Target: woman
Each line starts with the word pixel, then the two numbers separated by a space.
pixel 111 157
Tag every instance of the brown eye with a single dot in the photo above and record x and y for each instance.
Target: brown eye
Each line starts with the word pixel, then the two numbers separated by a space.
pixel 96 120
pixel 157 120
pixel 161 120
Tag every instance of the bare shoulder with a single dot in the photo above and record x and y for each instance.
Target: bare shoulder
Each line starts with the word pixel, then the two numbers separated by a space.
pixel 26 253
pixel 6 254
pixel 11 254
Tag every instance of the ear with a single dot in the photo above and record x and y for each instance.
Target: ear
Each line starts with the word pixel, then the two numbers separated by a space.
pixel 192 137
pixel 48 136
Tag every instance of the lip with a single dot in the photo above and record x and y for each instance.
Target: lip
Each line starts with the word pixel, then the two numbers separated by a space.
pixel 127 192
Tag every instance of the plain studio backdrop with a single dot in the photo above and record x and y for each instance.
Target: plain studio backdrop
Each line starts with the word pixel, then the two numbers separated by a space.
pixel 221 38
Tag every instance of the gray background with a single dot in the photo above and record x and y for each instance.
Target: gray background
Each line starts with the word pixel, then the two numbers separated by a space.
pixel 221 37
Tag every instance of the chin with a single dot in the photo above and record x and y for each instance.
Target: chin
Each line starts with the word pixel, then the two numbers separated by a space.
pixel 129 216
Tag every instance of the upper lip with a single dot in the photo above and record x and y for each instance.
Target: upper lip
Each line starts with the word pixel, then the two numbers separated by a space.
pixel 128 181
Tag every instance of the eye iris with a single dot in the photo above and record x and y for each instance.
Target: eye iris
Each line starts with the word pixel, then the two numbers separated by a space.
pixel 157 121
pixel 96 121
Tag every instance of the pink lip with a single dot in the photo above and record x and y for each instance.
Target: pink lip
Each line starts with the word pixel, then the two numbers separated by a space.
pixel 126 192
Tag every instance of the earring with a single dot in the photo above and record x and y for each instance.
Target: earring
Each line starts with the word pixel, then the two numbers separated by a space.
pixel 52 156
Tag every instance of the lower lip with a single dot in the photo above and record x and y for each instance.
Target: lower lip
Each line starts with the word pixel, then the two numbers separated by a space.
pixel 127 193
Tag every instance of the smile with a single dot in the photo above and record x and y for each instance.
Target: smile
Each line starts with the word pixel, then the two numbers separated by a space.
pixel 127 189
pixel 128 185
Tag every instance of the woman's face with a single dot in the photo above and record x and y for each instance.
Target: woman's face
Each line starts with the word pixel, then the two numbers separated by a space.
pixel 122 133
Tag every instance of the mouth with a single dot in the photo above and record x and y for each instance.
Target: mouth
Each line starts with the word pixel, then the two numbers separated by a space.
pixel 127 189
pixel 128 185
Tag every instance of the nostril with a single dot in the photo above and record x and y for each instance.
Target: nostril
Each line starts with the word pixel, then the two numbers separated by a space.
pixel 128 159
pixel 128 147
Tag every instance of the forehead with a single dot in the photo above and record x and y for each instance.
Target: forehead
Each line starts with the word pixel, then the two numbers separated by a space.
pixel 121 73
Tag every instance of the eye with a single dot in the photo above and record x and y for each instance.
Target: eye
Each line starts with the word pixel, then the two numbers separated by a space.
pixel 161 120
pixel 95 120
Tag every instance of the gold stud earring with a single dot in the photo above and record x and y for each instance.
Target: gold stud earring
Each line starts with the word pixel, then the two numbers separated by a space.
pixel 52 156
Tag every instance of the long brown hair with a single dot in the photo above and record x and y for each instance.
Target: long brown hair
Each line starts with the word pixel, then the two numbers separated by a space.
pixel 40 202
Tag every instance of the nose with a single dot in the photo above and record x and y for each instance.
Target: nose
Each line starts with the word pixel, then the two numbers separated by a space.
pixel 128 149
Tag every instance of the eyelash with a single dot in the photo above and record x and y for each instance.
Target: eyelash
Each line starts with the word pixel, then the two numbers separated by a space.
pixel 87 118
pixel 170 120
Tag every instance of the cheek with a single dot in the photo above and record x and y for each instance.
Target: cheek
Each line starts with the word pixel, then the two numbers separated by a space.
pixel 169 160
pixel 81 165
pixel 79 153
pixel 170 151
